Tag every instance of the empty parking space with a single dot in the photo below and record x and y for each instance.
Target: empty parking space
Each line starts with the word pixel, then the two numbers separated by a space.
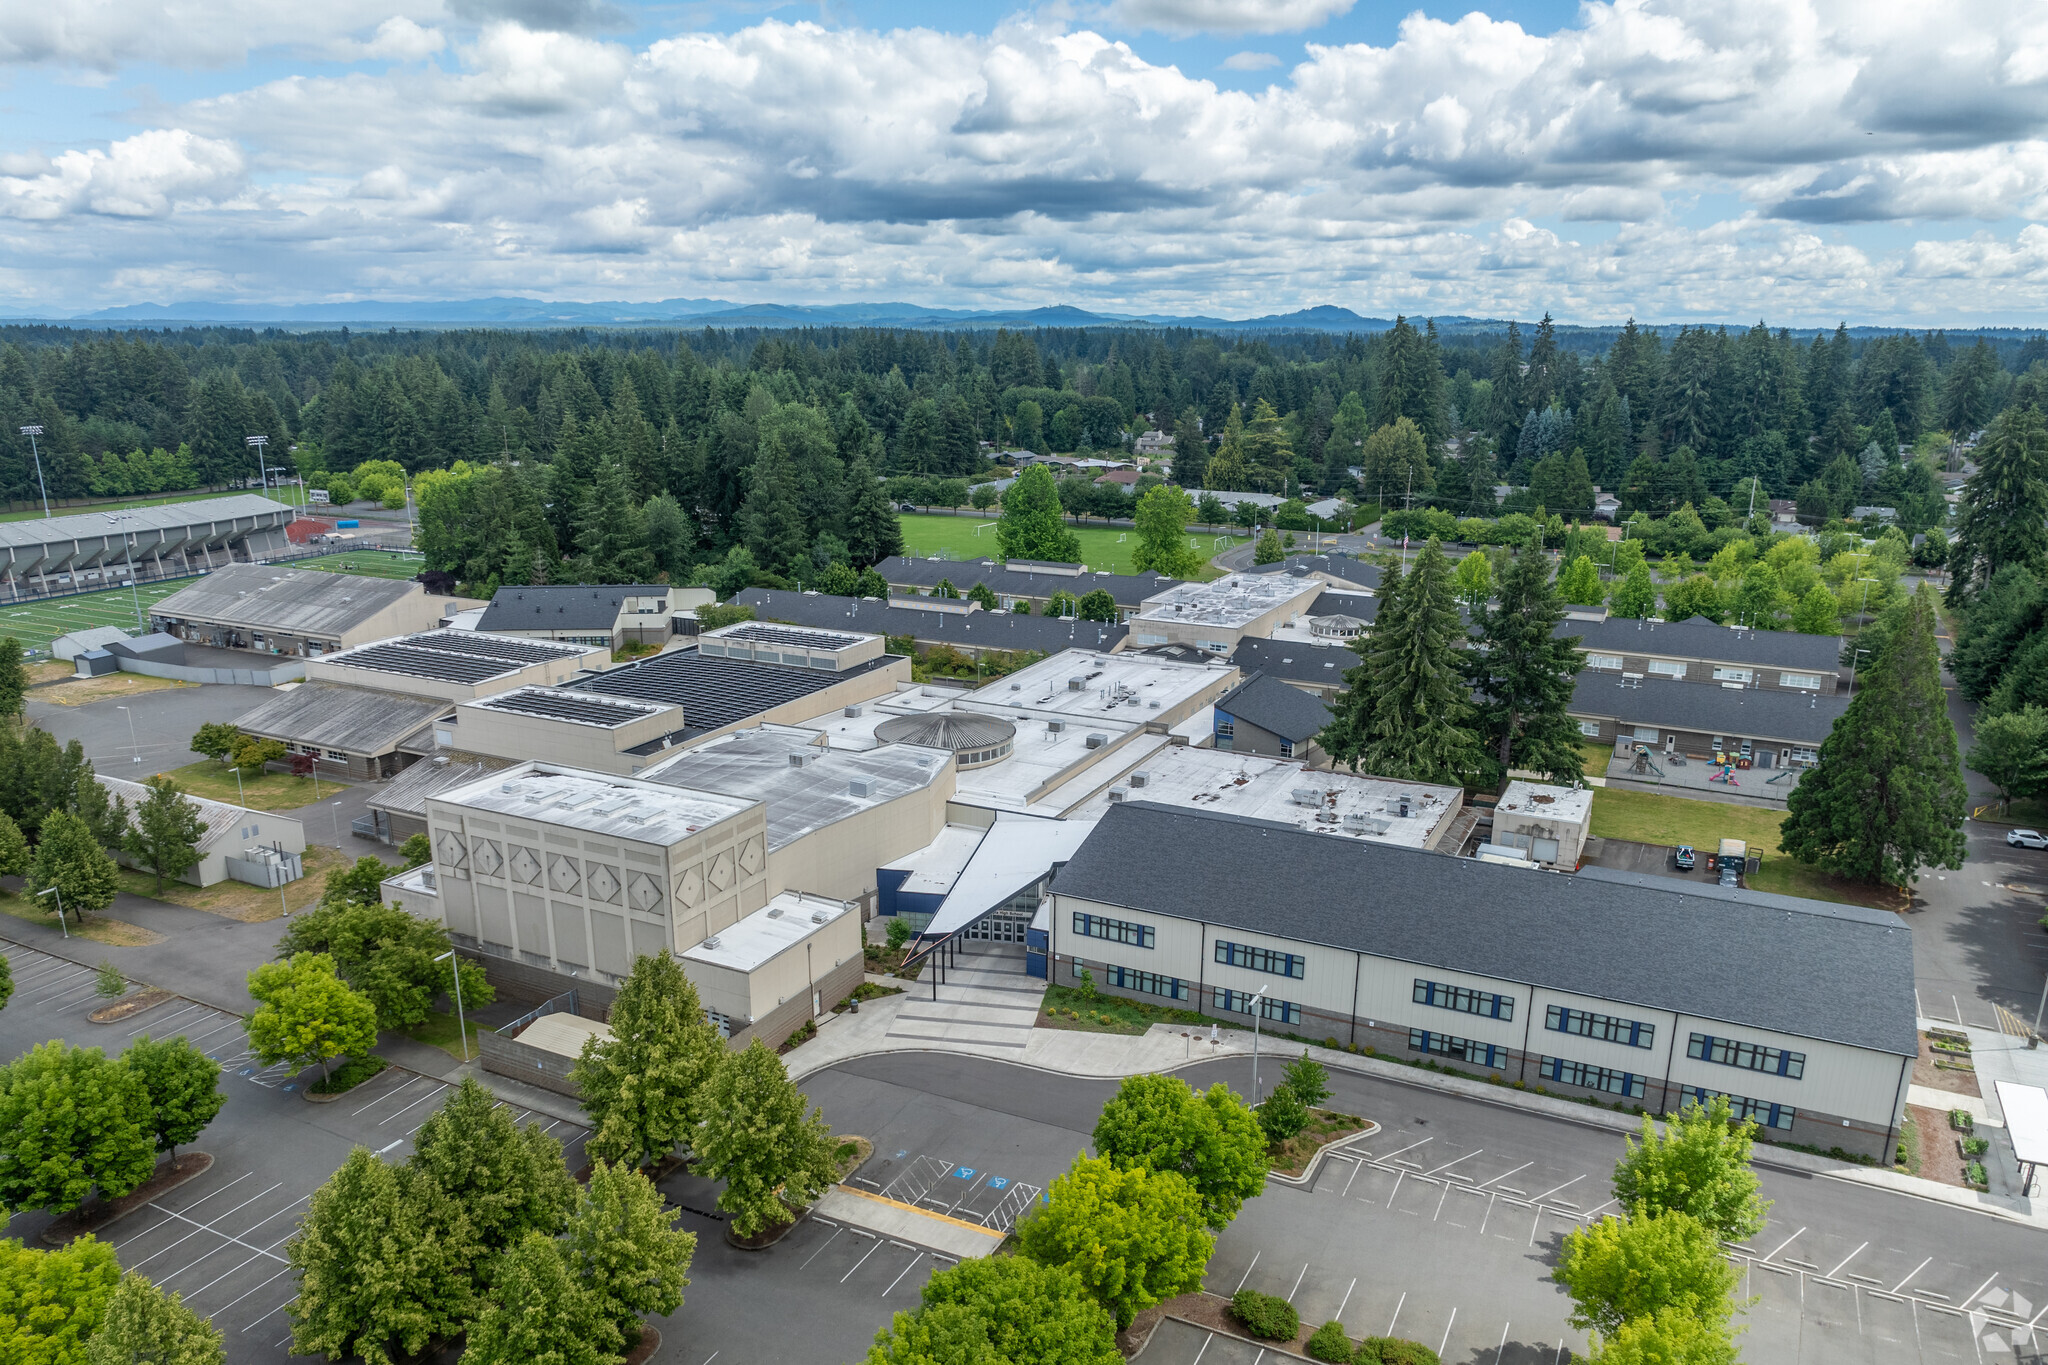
pixel 988 1197
pixel 864 1263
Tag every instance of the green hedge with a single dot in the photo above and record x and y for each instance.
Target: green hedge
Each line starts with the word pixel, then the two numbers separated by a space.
pixel 1266 1316
pixel 1394 1351
pixel 1330 1343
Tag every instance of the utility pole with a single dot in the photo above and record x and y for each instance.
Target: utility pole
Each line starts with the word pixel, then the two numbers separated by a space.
pixel 32 432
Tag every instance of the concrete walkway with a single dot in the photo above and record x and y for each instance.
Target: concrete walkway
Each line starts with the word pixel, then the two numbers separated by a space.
pixel 985 1001
pixel 955 1237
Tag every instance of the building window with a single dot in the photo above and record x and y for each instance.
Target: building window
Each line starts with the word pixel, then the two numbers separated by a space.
pixel 1734 675
pixel 1702 1047
pixel 1146 983
pixel 1464 1049
pixel 1603 661
pixel 1260 959
pixel 1606 1027
pixel 1114 930
pixel 1590 728
pixel 1761 1112
pixel 1667 668
pixel 1464 999
pixel 337 755
pixel 1271 1010
pixel 721 1022
pixel 1810 681
pixel 1644 734
pixel 1606 1078
pixel 1287 748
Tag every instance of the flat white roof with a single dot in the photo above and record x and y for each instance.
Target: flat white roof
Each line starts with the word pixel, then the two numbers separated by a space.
pixel 1231 601
pixel 2026 1120
pixel 621 807
pixel 1543 801
pixel 1283 790
pixel 762 763
pixel 1016 851
pixel 935 867
pixel 1127 687
pixel 562 1034
pixel 769 932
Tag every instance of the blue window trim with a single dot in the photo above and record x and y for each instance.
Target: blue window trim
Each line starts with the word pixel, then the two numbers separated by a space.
pixel 1256 959
pixel 1606 1079
pixel 1604 1027
pixel 1771 1061
pixel 1487 1055
pixel 1765 1113
pixel 1464 999
pixel 1145 983
pixel 1126 932
pixel 1271 1010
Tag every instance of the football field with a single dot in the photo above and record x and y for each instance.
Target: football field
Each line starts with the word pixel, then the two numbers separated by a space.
pixel 1102 547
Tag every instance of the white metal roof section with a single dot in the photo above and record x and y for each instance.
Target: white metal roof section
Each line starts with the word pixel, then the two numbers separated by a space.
pixel 1234 600
pixel 1081 685
pixel 174 516
pixel 1016 852
pixel 624 808
pixel 806 785
pixel 782 924
pixel 1279 789
pixel 274 597
pixel 2026 1120
pixel 220 818
pixel 935 867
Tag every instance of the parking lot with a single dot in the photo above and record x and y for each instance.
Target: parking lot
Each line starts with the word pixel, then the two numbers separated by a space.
pixel 219 1239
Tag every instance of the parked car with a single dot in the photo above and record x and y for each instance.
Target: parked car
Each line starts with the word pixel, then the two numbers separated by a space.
pixel 2026 838
pixel 1730 877
pixel 1683 858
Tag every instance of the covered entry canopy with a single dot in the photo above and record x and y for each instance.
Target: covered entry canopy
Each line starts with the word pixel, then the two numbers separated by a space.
pixel 2026 1122
pixel 1015 853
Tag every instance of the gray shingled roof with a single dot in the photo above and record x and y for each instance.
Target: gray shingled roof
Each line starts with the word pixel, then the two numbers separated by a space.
pixel 354 720
pixel 1336 566
pixel 1834 972
pixel 1323 665
pixel 1747 712
pixel 1337 602
pixel 1128 589
pixel 980 629
pixel 1276 708
pixel 563 608
pixel 1699 638
pixel 275 598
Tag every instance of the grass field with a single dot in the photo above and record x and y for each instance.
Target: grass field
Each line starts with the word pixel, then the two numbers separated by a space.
pixel 1648 818
pixel 263 791
pixel 35 624
pixel 1102 547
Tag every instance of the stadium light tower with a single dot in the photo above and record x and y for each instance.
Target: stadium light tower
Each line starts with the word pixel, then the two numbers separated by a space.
pixel 257 443
pixel 32 432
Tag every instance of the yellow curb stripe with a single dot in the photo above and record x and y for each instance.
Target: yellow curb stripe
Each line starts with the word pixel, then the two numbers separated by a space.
pixel 923 1213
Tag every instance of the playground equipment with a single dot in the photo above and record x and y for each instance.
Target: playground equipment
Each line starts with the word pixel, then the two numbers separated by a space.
pixel 1726 764
pixel 1643 763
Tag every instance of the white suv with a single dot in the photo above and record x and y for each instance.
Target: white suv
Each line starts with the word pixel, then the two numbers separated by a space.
pixel 2026 838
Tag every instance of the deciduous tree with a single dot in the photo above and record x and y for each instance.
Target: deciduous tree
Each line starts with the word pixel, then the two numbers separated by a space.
pixel 1580 583
pixel 389 955
pixel 1031 526
pixel 217 739
pixel 75 1125
pixel 623 1247
pixel 1162 522
pixel 1000 1310
pixel 756 1136
pixel 1133 1237
pixel 1635 597
pixel 13 679
pixel 1887 797
pixel 1210 1138
pixel 165 833
pixel 1670 1337
pixel 1699 1166
pixel 483 1182
pixel 1634 1267
pixel 183 1085
pixel 1268 550
pixel 641 1085
pixel 541 1313
pixel 143 1325
pixel 306 1014
pixel 2012 750
pixel 52 1303
pixel 372 1280
pixel 69 858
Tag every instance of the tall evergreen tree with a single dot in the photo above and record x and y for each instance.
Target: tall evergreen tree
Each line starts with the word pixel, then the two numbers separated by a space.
pixel 1887 797
pixel 1523 673
pixel 872 531
pixel 2004 514
pixel 1406 714
pixel 772 522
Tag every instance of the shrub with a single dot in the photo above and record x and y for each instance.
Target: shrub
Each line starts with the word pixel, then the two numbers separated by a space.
pixel 1961 1120
pixel 1976 1146
pixel 1975 1174
pixel 1394 1351
pixel 1330 1343
pixel 1265 1315
pixel 1283 1115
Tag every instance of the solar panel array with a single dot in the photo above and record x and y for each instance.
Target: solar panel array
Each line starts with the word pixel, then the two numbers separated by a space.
pixel 712 691
pixel 559 705
pixel 783 635
pixel 453 656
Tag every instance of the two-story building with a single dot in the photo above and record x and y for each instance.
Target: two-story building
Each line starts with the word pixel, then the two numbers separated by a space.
pixel 613 616
pixel 1697 650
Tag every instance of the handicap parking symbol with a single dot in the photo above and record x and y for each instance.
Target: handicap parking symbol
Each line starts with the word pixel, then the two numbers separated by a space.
pixel 965 1172
pixel 902 1154
pixel 997 1182
pixel 245 1071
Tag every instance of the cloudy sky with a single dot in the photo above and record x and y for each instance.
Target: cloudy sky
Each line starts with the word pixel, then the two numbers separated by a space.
pixel 1798 160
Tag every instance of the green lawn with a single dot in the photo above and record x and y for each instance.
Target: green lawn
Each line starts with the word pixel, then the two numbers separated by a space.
pixel 1648 818
pixel 444 1031
pixel 262 791
pixel 1102 547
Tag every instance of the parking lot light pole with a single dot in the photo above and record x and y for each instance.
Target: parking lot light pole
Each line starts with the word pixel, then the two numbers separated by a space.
pixel 32 432
pixel 133 743
pixel 53 891
pixel 2034 1038
pixel 335 806
pixel 1258 1000
pixel 460 1027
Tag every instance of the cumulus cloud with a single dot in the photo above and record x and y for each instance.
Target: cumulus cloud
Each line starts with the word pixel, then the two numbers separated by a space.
pixel 1250 61
pixel 1226 16
pixel 1040 162
pixel 104 35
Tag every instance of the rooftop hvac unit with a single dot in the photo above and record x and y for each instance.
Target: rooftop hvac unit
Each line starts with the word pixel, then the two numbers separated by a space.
pixel 860 786
pixel 1327 817
pixel 1153 705
pixel 798 760
pixel 819 917
pixel 1118 794
pixel 1306 796
pixel 711 942
pixel 775 913
pixel 1355 821
pixel 1141 779
pixel 1075 685
pixel 1053 727
pixel 1097 741
pixel 1405 801
pixel 853 712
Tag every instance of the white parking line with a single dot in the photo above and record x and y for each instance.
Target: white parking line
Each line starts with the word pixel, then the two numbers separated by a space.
pixel 1248 1270
pixel 1789 1241
pixel 821 1246
pixel 901 1273
pixel 159 1023
pixel 1500 1351
pixel 1978 1290
pixel 1409 1148
pixel 414 1105
pixel 253 1259
pixel 1915 1271
pixel 1845 1261
pixel 245 1294
pixel 1397 1312
pixel 396 1089
pixel 1347 1299
pixel 1504 1175
pixel 1297 1282
pixel 188 1208
pixel 199 1226
pixel 1444 1345
pixel 236 1241
pixel 1455 1160
pixel 1355 1169
pixel 1537 1199
pixel 862 1261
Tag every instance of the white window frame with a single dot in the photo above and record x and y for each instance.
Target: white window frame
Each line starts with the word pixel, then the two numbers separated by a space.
pixel 1666 668
pixel 1736 675
pixel 1808 681
pixel 1590 728
pixel 1603 661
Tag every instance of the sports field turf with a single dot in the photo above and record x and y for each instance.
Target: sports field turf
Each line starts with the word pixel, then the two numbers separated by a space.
pixel 1102 547
pixel 35 624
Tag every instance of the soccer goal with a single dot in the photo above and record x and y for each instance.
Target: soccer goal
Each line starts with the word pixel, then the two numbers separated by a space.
pixel 984 526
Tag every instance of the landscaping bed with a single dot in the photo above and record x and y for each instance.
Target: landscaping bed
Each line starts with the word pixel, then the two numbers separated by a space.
pixel 884 961
pixel 93 1218
pixel 1941 1068
pixel 1216 1314
pixel 866 990
pixel 1940 1157
pixel 348 1075
pixel 1076 1010
pixel 133 1005
pixel 1325 1126
pixel 235 900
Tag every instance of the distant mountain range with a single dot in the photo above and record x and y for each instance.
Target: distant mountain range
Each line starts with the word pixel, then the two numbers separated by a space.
pixel 517 312
pixel 722 313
